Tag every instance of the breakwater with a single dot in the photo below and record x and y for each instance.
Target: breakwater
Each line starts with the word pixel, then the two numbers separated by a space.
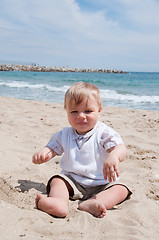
pixel 31 68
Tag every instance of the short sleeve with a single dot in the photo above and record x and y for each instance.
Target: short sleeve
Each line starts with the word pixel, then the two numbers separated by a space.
pixel 55 143
pixel 110 138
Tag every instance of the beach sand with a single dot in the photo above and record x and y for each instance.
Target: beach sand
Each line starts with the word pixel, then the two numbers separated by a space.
pixel 26 126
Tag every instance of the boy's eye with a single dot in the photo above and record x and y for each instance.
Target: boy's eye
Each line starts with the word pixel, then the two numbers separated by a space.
pixel 88 111
pixel 74 112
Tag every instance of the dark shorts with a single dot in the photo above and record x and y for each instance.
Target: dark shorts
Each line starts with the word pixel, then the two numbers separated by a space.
pixel 84 193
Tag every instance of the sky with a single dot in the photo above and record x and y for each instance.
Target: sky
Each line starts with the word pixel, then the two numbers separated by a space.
pixel 109 34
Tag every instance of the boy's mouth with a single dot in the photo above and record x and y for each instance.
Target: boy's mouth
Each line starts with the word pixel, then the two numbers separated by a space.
pixel 81 123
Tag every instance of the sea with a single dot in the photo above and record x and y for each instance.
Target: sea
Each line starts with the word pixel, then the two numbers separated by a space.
pixel 135 90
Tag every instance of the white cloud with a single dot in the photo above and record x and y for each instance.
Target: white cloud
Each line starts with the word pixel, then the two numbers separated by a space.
pixel 144 13
pixel 138 13
pixel 61 33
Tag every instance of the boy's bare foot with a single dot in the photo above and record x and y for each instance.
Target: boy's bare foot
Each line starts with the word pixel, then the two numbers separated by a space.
pixel 53 206
pixel 93 207
pixel 38 197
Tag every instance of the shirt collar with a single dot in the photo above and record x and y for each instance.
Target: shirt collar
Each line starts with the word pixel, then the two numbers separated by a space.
pixel 87 135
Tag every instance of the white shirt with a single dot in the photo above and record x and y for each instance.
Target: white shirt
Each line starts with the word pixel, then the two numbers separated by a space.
pixel 84 155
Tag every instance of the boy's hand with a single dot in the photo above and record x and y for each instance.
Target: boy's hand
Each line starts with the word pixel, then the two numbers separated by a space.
pixel 111 168
pixel 43 156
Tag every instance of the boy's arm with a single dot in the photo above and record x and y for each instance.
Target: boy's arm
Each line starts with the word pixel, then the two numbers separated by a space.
pixel 43 155
pixel 111 166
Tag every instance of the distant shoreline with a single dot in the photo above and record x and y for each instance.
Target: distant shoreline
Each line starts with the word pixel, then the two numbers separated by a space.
pixel 32 68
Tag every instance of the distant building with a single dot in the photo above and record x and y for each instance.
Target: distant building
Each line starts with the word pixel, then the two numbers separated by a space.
pixel 11 62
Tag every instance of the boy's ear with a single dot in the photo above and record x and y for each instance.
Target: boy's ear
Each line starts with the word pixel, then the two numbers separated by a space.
pixel 100 109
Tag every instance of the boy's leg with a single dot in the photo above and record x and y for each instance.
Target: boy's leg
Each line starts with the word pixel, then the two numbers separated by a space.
pixel 56 203
pixel 104 200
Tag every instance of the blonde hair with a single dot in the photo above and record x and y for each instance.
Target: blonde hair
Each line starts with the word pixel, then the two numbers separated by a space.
pixel 80 91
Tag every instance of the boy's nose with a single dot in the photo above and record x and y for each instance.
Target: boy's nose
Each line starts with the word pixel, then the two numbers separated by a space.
pixel 81 115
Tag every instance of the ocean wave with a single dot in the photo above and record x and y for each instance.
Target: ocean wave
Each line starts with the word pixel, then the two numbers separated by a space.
pixel 115 96
pixel 16 84
pixel 107 95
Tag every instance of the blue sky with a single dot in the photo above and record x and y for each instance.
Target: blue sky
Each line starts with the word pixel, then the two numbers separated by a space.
pixel 111 34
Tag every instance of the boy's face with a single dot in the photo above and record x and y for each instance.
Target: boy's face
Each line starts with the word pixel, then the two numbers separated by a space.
pixel 83 117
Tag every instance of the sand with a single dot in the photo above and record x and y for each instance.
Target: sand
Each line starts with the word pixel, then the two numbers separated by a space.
pixel 26 126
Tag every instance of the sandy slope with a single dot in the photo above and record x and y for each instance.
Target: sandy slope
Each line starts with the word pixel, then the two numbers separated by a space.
pixel 26 126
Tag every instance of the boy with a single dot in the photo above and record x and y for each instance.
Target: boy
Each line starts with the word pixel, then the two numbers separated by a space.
pixel 90 163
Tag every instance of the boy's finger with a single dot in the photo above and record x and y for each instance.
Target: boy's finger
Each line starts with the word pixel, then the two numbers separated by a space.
pixel 47 156
pixel 106 173
pixel 116 169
